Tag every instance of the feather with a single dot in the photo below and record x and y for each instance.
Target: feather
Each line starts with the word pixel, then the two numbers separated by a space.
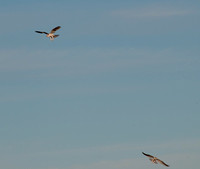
pixel 148 155
pixel 55 29
pixel 41 32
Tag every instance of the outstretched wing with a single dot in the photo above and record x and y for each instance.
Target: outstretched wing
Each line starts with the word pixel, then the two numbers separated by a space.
pixel 148 155
pixel 55 29
pixel 55 36
pixel 161 162
pixel 41 32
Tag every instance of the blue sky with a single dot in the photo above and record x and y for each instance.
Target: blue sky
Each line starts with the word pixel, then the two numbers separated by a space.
pixel 122 78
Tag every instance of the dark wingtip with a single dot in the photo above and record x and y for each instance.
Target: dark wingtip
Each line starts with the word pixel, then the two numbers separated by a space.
pixel 167 165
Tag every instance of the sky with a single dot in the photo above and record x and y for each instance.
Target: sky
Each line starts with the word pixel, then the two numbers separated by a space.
pixel 121 79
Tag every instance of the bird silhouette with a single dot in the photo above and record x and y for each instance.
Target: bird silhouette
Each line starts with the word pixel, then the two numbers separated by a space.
pixel 155 160
pixel 51 34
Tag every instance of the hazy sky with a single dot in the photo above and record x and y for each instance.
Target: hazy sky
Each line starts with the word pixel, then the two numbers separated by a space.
pixel 123 77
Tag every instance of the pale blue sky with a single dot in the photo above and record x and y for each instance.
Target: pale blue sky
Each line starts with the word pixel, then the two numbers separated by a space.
pixel 122 78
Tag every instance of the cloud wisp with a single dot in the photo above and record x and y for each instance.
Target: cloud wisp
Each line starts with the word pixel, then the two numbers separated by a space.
pixel 151 12
pixel 84 60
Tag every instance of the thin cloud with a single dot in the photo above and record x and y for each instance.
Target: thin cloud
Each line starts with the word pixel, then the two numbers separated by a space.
pixel 178 153
pixel 178 150
pixel 84 61
pixel 170 147
pixel 151 12
pixel 112 164
pixel 178 161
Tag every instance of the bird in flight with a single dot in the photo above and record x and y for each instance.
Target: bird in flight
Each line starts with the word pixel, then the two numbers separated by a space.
pixel 155 160
pixel 51 34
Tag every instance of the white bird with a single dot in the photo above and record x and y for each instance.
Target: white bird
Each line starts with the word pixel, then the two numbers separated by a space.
pixel 51 34
pixel 155 160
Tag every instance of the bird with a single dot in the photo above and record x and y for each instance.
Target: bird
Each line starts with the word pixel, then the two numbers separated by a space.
pixel 155 160
pixel 51 34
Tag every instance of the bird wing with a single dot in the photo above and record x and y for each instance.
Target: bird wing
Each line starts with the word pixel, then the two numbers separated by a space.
pixel 55 36
pixel 148 155
pixel 41 32
pixel 161 162
pixel 55 29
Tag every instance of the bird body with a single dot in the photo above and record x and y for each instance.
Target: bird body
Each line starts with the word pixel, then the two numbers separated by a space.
pixel 51 34
pixel 155 160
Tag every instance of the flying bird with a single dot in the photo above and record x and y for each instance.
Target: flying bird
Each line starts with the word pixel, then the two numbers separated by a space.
pixel 51 34
pixel 155 160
